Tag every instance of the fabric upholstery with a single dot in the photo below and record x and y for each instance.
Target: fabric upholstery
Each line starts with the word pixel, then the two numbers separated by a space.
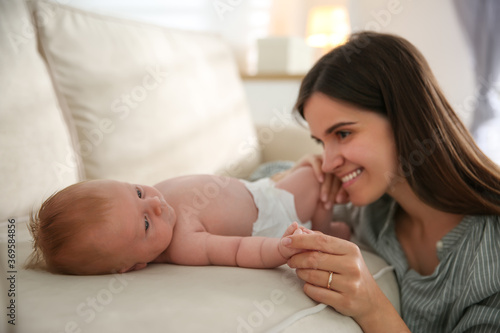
pixel 36 154
pixel 148 103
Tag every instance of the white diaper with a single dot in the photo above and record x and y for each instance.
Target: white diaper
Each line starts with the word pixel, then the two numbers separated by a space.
pixel 276 208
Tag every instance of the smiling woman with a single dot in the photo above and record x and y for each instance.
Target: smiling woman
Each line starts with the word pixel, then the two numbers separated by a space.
pixel 358 146
pixel 390 77
pixel 423 196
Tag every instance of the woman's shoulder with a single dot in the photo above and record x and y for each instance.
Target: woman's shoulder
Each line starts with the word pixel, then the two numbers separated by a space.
pixel 483 231
pixel 477 243
pixel 480 251
pixel 488 224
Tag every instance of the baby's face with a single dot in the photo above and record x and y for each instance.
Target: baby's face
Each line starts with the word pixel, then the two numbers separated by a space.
pixel 140 224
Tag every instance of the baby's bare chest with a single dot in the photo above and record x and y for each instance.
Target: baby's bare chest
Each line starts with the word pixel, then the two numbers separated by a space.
pixel 218 205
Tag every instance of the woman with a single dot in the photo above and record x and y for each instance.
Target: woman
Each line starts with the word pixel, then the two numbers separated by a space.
pixel 423 196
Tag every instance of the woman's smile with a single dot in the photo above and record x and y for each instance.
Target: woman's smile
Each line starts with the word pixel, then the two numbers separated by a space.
pixel 351 177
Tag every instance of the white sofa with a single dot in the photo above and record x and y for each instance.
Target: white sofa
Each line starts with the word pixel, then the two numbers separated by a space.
pixel 86 96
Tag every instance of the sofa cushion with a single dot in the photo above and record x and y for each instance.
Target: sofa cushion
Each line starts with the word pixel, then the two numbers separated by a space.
pixel 36 155
pixel 174 298
pixel 148 102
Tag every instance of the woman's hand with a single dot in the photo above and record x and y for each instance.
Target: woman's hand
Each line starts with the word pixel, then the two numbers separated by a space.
pixel 336 274
pixel 331 187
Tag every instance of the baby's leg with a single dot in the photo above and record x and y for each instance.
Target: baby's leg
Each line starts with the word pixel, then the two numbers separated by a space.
pixel 305 188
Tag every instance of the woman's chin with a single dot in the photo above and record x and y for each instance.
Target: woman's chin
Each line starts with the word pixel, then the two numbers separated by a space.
pixel 360 201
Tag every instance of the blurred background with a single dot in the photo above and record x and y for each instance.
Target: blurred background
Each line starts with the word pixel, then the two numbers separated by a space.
pixel 276 41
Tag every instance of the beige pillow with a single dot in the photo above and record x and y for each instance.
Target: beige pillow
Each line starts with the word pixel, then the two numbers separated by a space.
pixel 36 156
pixel 148 102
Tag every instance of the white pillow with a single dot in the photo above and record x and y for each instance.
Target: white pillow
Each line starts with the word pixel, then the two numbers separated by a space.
pixel 36 155
pixel 148 102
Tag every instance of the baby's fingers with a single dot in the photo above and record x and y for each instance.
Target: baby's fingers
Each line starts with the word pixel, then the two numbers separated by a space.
pixel 292 228
pixel 302 230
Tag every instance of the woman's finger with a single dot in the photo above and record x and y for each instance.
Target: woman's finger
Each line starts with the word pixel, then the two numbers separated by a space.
pixel 326 188
pixel 323 279
pixel 314 161
pixel 320 242
pixel 336 188
pixel 340 230
pixel 322 295
pixel 342 197
pixel 317 260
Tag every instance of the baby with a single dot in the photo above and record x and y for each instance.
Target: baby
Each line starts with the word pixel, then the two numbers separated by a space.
pixel 106 226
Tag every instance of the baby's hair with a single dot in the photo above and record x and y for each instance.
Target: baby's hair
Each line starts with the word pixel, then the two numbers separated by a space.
pixel 58 225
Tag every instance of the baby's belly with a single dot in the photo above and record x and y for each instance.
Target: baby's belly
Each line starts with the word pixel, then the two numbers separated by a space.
pixel 230 208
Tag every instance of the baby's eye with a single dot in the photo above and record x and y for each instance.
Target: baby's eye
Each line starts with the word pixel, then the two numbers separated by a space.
pixel 139 193
pixel 146 223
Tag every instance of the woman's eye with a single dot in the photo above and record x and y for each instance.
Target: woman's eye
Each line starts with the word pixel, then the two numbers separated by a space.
pixel 146 223
pixel 139 193
pixel 343 134
pixel 318 141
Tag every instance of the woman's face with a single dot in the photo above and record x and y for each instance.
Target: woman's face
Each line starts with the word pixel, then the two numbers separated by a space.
pixel 359 146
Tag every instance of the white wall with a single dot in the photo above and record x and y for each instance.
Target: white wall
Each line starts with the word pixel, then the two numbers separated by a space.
pixel 271 98
pixel 433 27
pixel 240 22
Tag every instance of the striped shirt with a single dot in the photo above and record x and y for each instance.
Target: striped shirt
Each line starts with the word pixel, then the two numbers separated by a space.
pixel 463 293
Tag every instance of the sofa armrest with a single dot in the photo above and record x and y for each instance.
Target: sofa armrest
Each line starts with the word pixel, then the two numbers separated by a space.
pixel 288 143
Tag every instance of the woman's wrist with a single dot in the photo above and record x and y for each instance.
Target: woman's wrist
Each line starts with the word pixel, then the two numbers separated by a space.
pixel 384 319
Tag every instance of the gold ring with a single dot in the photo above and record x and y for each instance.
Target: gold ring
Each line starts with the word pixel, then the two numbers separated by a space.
pixel 330 278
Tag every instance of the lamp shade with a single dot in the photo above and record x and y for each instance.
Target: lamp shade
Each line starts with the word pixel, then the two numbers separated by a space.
pixel 328 26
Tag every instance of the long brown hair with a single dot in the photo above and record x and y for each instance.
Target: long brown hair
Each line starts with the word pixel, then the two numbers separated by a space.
pixel 438 156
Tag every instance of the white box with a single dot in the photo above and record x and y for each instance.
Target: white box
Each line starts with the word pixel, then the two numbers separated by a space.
pixel 284 55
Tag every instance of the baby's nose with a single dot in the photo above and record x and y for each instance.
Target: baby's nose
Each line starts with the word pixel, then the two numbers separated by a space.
pixel 157 204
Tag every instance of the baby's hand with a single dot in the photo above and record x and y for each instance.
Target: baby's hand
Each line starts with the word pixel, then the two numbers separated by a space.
pixel 293 229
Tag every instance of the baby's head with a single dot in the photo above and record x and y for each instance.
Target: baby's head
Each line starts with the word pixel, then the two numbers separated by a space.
pixel 100 227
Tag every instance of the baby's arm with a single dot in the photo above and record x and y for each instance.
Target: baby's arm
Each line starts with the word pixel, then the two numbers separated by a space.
pixel 251 252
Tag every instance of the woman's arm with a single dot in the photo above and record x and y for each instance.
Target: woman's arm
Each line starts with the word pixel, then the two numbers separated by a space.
pixel 352 291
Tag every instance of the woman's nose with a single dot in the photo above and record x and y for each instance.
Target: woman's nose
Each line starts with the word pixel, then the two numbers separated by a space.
pixel 332 159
